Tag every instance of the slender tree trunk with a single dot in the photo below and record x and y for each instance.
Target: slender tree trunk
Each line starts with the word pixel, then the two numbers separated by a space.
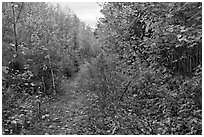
pixel 43 81
pixel 15 36
pixel 14 29
pixel 15 20
pixel 53 80
pixel 190 63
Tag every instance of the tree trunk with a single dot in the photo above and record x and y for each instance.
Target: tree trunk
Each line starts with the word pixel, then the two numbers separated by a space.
pixel 53 80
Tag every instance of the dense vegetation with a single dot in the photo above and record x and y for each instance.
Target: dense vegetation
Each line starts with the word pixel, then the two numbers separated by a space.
pixel 139 72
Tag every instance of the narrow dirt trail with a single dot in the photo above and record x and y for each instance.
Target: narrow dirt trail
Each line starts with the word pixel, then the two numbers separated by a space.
pixel 64 113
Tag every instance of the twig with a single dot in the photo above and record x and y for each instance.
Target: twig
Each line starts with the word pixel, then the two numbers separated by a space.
pixel 113 132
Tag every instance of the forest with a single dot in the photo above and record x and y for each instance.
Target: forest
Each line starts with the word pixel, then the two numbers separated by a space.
pixel 139 72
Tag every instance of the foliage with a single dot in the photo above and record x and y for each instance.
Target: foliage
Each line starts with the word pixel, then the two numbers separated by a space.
pixel 157 62
pixel 41 48
pixel 139 72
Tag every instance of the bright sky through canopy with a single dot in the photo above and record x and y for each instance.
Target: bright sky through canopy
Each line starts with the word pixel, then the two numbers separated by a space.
pixel 88 12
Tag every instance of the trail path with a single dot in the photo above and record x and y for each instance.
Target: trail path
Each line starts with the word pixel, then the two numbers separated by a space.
pixel 65 112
